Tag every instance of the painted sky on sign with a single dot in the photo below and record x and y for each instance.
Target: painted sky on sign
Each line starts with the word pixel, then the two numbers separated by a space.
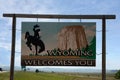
pixel 79 7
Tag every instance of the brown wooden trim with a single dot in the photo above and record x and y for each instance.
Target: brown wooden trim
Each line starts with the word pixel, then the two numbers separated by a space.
pixel 50 57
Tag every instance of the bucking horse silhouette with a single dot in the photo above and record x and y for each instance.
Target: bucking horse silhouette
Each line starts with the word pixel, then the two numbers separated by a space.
pixel 35 40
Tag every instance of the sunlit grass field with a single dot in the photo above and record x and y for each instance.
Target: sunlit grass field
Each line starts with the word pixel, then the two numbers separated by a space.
pixel 20 75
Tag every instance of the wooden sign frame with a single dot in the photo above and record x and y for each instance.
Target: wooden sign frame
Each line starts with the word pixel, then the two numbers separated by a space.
pixel 102 17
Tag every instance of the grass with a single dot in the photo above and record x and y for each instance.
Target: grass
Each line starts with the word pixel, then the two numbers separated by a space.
pixel 53 76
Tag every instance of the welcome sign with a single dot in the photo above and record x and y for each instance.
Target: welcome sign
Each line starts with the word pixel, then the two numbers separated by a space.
pixel 58 44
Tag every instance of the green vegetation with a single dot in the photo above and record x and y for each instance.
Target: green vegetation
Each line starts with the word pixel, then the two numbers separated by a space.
pixel 53 76
pixel 117 75
pixel 90 49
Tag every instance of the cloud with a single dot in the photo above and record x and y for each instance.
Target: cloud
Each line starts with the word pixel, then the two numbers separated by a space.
pixel 6 46
pixel 25 6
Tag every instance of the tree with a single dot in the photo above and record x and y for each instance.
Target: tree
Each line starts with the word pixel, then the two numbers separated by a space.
pixel 36 70
pixel 117 75
pixel 92 45
pixel 0 69
pixel 23 68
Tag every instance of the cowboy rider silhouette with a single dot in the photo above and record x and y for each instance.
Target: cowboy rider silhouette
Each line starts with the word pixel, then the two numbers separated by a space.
pixel 36 35
pixel 36 32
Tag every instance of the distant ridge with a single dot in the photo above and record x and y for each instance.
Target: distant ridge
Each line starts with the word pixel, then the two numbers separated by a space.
pixel 51 69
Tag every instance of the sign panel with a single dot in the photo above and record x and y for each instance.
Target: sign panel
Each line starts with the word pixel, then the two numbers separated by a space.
pixel 58 44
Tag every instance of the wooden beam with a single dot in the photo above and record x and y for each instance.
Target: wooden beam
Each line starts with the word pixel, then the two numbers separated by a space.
pixel 13 48
pixel 60 16
pixel 103 49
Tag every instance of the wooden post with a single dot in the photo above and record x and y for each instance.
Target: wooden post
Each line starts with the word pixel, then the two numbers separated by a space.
pixel 13 48
pixel 103 49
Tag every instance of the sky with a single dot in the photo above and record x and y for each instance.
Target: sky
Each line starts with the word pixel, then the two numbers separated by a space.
pixel 73 7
